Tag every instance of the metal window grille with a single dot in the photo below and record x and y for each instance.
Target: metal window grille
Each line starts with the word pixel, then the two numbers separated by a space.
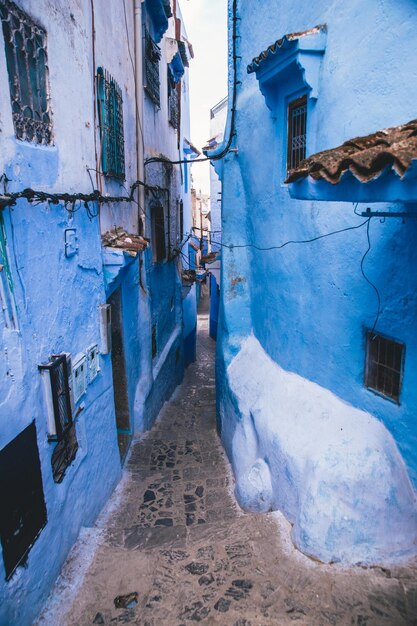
pixel 152 57
pixel 64 453
pixel 173 102
pixel 60 391
pixel 297 132
pixel 158 233
pixel 23 510
pixel 27 67
pixel 110 111
pixel 384 365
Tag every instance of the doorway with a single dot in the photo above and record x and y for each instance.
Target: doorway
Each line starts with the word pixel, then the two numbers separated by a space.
pixel 121 399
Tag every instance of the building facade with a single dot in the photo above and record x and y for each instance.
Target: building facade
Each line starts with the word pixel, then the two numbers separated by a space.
pixel 317 353
pixel 92 321
pixel 218 115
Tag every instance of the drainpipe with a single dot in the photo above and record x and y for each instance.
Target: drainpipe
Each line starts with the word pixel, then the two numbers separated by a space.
pixel 140 140
pixel 144 384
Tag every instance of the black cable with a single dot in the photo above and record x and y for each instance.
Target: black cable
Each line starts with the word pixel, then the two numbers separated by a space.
pixel 374 287
pixel 22 284
pixel 89 170
pixel 232 133
pixel 295 241
pixel 38 197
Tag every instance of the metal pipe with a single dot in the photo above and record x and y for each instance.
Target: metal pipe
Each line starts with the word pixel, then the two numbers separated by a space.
pixel 140 141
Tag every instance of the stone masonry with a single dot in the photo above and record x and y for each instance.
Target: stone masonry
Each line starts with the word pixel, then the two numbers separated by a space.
pixel 174 548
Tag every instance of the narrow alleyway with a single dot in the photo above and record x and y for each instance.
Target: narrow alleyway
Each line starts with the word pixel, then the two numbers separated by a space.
pixel 174 535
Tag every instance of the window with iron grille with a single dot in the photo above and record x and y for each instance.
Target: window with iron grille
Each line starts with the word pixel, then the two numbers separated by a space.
pixel 110 112
pixel 297 132
pixel 64 453
pixel 63 427
pixel 384 365
pixel 23 509
pixel 152 57
pixel 158 233
pixel 173 101
pixel 27 68
pixel 60 393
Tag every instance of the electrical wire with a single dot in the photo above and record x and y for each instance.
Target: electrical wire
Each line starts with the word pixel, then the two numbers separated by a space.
pixel 370 283
pixel 36 197
pixel 291 241
pixel 335 232
pixel 22 284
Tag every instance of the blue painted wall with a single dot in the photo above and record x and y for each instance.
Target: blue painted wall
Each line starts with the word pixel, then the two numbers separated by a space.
pixel 214 306
pixel 57 301
pixel 308 304
pixel 58 298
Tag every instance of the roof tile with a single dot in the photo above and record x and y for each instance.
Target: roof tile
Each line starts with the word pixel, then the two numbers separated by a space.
pixel 365 157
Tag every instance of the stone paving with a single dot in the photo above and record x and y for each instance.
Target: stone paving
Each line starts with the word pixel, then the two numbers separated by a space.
pixel 178 544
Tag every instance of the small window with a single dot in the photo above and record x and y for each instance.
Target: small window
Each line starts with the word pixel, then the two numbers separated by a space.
pixel 61 427
pixel 154 344
pixel 152 57
pixel 110 114
pixel 58 400
pixel 297 132
pixel 384 365
pixel 27 67
pixel 158 233
pixel 173 101
pixel 22 510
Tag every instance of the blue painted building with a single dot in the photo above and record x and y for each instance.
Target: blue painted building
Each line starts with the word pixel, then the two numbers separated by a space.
pixel 317 353
pixel 218 115
pixel 92 318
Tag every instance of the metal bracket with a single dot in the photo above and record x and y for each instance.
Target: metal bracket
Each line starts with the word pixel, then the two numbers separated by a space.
pixel 384 214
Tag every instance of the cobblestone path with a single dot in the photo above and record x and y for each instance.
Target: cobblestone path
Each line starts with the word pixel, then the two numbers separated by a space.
pixel 176 537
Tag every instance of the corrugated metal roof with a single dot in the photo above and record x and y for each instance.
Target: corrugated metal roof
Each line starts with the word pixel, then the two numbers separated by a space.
pixel 281 43
pixel 365 157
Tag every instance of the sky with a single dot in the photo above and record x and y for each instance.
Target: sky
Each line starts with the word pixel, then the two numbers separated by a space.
pixel 206 25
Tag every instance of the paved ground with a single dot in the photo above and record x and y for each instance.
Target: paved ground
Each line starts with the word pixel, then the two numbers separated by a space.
pixel 176 538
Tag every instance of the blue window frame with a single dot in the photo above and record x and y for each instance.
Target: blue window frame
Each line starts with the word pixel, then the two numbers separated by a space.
pixel 110 112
